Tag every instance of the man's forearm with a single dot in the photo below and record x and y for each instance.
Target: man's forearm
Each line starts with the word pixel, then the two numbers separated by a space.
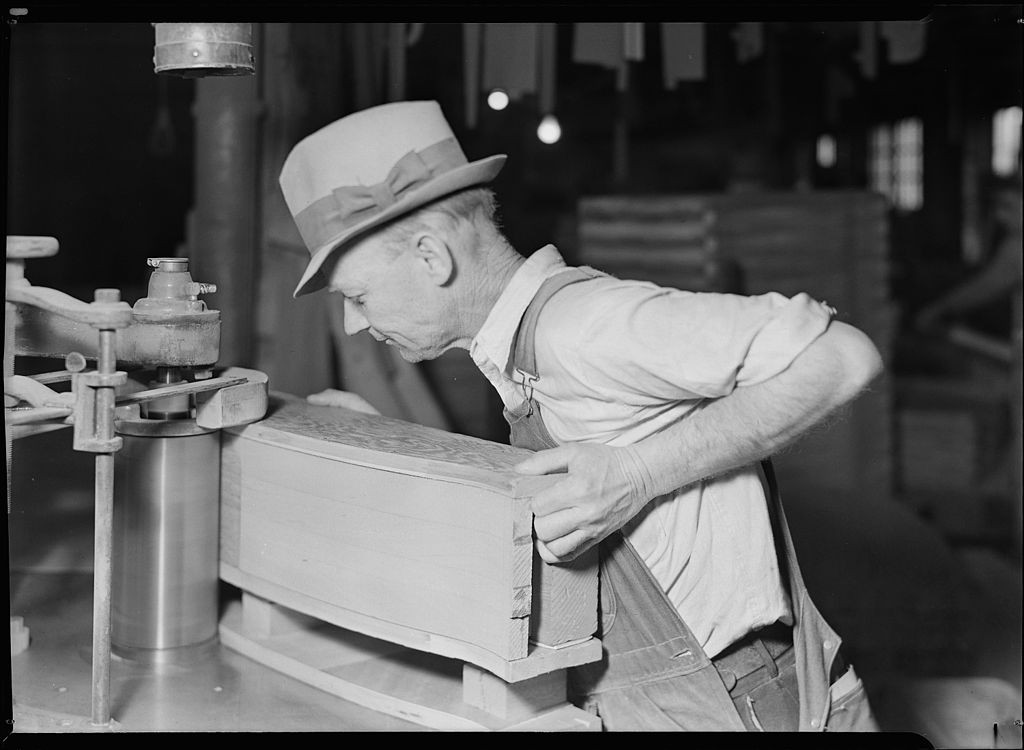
pixel 606 486
pixel 756 421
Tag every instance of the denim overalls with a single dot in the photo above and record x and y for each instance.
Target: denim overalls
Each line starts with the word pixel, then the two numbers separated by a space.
pixel 655 674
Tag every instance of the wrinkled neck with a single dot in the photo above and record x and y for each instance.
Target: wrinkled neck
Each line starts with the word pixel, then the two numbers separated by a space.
pixel 488 272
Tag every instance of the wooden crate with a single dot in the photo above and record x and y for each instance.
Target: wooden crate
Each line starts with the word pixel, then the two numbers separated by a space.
pixel 402 532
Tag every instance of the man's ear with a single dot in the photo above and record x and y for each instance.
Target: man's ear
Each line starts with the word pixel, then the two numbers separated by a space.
pixel 436 258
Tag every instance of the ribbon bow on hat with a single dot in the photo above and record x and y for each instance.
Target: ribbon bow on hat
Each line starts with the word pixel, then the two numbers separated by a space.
pixel 408 146
pixel 350 205
pixel 352 200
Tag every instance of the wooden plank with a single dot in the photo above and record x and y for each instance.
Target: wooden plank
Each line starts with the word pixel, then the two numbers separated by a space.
pixel 512 701
pixel 564 602
pixel 264 619
pixel 656 206
pixel 540 659
pixel 230 503
pixel 313 656
pixel 396 526
pixel 188 387
pixel 237 404
pixel 671 231
pixel 419 687
pixel 633 255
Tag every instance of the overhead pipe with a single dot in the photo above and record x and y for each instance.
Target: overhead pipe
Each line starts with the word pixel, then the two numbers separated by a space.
pixel 222 232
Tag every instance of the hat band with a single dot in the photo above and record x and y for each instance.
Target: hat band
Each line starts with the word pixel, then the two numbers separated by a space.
pixel 348 206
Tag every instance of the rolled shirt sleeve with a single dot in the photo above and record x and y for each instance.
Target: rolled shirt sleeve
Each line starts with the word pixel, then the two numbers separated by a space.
pixel 667 344
pixel 794 324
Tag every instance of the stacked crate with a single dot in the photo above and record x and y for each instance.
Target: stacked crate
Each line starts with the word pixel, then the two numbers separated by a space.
pixel 664 238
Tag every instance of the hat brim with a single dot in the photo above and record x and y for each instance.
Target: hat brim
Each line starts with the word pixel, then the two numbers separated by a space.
pixel 467 175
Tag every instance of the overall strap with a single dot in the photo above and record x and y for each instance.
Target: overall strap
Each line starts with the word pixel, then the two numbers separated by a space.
pixel 779 528
pixel 649 639
pixel 815 643
pixel 522 355
pixel 644 639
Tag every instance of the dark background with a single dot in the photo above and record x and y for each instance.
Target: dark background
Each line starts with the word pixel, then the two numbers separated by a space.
pixel 83 108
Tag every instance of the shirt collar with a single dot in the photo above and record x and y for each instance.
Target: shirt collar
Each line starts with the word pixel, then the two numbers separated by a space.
pixel 494 338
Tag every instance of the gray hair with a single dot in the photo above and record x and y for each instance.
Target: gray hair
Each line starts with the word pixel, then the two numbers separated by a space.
pixel 475 208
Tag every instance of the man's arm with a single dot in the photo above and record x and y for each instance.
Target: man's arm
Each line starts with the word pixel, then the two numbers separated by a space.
pixel 606 486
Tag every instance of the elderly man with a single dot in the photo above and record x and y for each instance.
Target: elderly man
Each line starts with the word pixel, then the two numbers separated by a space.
pixel 658 405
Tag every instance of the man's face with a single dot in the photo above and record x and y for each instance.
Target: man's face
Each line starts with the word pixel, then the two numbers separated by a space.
pixel 388 295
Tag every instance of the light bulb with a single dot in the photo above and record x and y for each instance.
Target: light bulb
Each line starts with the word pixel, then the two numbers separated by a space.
pixel 549 131
pixel 497 99
pixel 826 151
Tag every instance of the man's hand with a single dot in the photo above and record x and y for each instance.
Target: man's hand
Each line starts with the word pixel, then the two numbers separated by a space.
pixel 345 399
pixel 604 487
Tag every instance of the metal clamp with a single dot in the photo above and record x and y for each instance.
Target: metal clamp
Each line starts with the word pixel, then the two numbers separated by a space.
pixel 90 389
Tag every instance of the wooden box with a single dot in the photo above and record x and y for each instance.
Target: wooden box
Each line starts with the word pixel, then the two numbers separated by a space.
pixel 406 533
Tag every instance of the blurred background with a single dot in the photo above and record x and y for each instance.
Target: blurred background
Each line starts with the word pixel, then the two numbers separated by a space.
pixel 871 162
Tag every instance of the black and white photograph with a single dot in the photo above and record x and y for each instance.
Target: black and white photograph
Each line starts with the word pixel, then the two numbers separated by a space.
pixel 592 369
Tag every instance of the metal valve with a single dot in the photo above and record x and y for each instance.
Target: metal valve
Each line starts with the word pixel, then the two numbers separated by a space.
pixel 172 290
pixel 196 288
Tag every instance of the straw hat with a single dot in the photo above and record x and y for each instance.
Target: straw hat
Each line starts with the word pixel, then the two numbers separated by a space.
pixel 368 168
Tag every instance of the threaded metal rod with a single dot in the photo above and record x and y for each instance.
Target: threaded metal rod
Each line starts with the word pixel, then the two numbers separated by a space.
pixel 103 536
pixel 9 315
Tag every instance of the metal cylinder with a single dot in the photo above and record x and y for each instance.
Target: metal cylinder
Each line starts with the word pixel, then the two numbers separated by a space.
pixel 172 407
pixel 166 517
pixel 192 50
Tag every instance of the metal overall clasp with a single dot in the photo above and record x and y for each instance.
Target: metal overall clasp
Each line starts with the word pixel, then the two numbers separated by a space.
pixel 526 385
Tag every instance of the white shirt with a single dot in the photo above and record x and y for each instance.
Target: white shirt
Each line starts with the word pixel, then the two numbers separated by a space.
pixel 621 360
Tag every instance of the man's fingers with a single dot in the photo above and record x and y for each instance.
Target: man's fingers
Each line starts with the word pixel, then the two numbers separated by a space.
pixel 565 548
pixel 555 525
pixel 549 461
pixel 545 554
pixel 553 499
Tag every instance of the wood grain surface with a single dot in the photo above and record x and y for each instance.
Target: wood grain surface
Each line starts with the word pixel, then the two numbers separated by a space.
pixel 387 442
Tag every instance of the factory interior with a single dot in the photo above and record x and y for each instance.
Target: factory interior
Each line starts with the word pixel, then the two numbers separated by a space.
pixel 855 159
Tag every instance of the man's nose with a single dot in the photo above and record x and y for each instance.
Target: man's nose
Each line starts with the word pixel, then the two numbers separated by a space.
pixel 354 320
